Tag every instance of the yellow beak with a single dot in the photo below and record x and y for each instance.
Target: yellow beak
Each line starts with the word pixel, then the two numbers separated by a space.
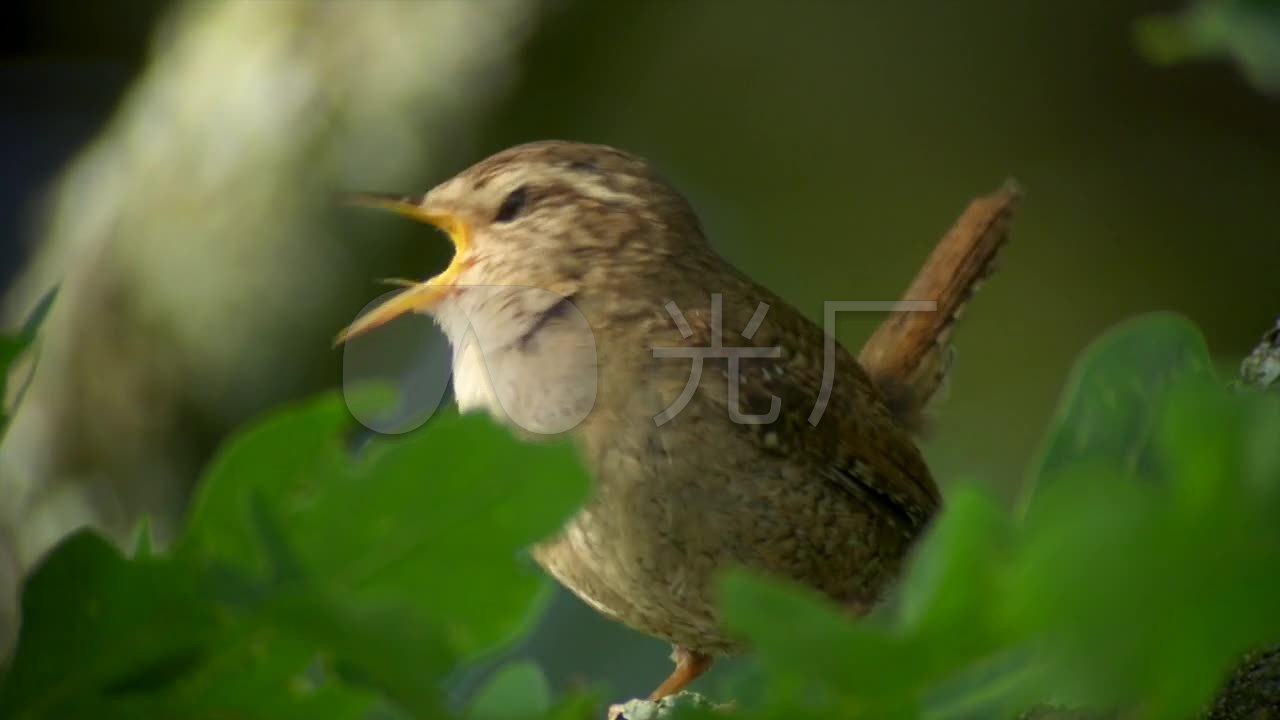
pixel 417 296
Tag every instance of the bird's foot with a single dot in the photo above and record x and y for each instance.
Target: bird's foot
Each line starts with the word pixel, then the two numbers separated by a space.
pixel 690 665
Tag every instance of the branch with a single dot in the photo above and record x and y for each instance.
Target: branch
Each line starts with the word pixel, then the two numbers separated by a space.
pixel 1261 368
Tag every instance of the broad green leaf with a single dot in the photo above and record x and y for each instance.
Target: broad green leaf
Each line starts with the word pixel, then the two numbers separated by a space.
pixel 1246 32
pixel 1116 391
pixel 369 645
pixel 282 463
pixel 1145 594
pixel 1224 443
pixel 303 574
pixel 95 624
pixel 253 672
pixel 400 563
pixel 970 665
pixel 580 706
pixel 997 685
pixel 517 691
pixel 957 565
pixel 818 662
pixel 108 637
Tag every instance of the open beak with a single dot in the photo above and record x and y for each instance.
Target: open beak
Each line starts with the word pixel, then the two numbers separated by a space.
pixel 416 296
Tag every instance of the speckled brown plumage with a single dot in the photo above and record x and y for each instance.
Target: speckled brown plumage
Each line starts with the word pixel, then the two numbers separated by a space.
pixel 834 506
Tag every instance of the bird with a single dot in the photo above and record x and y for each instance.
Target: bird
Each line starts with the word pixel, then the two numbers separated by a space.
pixel 720 426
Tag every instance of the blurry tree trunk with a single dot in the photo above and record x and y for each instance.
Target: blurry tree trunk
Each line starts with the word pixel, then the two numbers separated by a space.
pixel 202 266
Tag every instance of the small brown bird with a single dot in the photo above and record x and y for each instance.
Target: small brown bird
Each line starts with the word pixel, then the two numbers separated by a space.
pixel 721 427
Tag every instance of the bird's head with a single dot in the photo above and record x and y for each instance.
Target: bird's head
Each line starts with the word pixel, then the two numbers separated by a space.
pixel 545 215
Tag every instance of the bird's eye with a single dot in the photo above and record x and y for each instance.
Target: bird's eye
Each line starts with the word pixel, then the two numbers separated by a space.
pixel 512 206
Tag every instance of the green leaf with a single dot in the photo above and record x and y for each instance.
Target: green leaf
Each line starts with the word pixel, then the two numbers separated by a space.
pixel 579 706
pixel 142 548
pixel 817 661
pixel 399 564
pixel 1246 32
pixel 1146 594
pixel 104 636
pixel 957 566
pixel 308 583
pixel 94 622
pixel 10 350
pixel 515 692
pixel 1115 394
pixel 439 518
pixel 12 347
pixel 253 672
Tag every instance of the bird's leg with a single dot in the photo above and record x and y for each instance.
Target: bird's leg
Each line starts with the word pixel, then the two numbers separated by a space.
pixel 690 666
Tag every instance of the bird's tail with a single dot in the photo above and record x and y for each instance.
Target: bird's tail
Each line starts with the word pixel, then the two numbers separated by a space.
pixel 910 353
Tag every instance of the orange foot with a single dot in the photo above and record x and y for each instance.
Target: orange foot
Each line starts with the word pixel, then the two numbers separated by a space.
pixel 690 666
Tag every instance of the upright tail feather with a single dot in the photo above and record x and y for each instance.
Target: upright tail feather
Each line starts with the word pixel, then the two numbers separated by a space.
pixel 910 353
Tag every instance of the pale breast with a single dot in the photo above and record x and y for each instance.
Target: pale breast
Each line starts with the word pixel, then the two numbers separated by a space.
pixel 540 379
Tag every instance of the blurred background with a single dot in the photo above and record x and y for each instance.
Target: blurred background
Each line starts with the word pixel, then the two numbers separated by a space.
pixel 169 166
